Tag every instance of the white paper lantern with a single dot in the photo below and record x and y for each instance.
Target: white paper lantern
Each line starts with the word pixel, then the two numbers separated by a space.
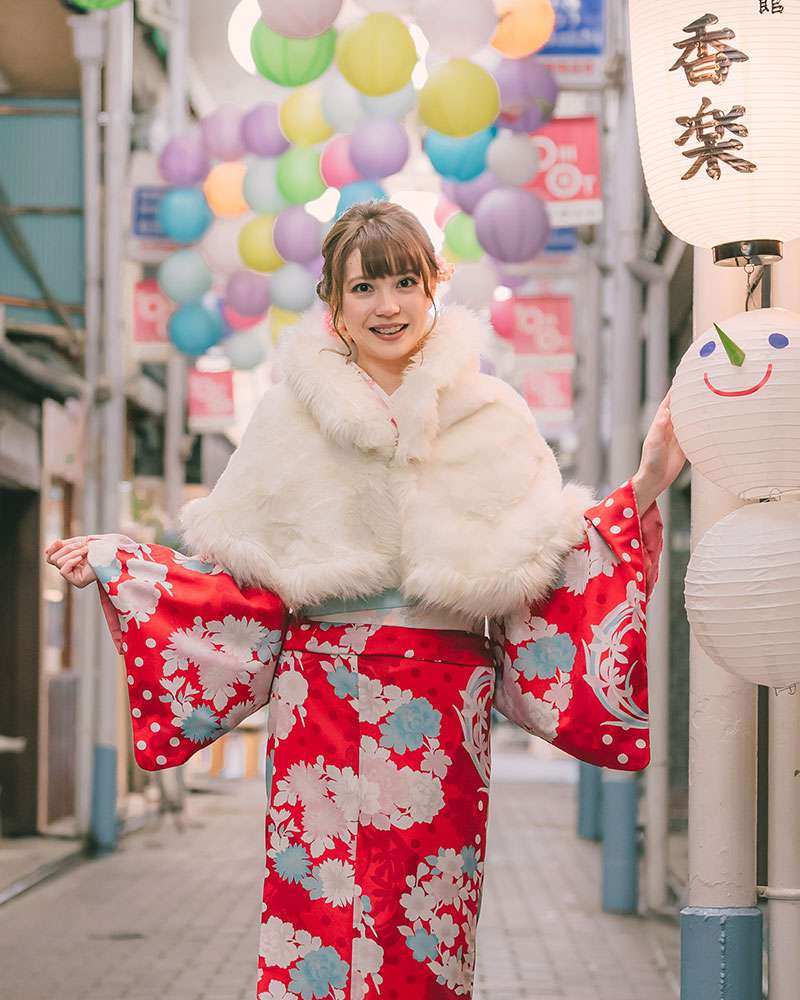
pixel 473 284
pixel 743 593
pixel 458 34
pixel 716 107
pixel 740 424
pixel 513 158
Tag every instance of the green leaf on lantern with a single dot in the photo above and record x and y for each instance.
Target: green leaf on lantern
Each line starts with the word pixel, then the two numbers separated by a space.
pixel 735 354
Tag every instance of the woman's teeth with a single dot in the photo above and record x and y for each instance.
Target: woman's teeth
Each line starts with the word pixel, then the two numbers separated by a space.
pixel 389 331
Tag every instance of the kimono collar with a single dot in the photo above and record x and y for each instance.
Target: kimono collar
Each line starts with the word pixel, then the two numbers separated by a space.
pixel 350 412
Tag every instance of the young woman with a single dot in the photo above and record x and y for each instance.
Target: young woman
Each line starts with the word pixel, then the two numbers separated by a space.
pixel 387 500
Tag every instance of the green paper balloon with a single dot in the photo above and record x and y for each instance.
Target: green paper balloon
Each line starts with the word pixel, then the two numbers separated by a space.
pixel 298 176
pixel 291 62
pixel 96 4
pixel 460 235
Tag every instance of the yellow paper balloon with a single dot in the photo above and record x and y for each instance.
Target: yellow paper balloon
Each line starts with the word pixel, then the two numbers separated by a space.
pixel 524 26
pixel 223 190
pixel 301 118
pixel 459 98
pixel 256 247
pixel 280 320
pixel 376 55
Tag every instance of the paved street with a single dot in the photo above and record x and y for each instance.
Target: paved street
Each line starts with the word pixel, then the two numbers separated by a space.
pixel 175 916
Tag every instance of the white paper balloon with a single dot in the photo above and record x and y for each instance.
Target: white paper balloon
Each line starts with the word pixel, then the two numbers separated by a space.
pixel 743 593
pixel 292 287
pixel 220 245
pixel 457 34
pixel 473 284
pixel 247 349
pixel 300 18
pixel 513 158
pixel 260 188
pixel 341 104
pixel 396 105
pixel 387 6
pixel 739 424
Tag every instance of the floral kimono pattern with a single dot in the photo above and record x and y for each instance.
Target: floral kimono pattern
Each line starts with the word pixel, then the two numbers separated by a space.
pixel 378 746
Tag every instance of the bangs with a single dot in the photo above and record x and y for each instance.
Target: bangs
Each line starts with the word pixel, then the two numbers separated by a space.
pixel 385 252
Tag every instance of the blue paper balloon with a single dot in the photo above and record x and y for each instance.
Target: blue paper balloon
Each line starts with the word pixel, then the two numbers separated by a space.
pixel 184 276
pixel 193 328
pixel 459 159
pixel 184 214
pixel 358 191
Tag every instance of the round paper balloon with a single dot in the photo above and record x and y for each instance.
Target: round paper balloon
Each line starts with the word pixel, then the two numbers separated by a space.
pixel 300 18
pixel 512 224
pixel 222 133
pixel 459 98
pixel 379 147
pixel 460 236
pixel 377 55
pixel 314 267
pixel 256 247
pixel 223 190
pixel 291 62
pixel 501 313
pixel 458 159
pixel 468 194
pixel 238 321
pixel 261 131
pixel 528 92
pixel 736 403
pixel 193 328
pixel 302 120
pixel 335 164
pixel 743 593
pixel 297 236
pixel 388 6
pixel 457 36
pixel 443 211
pixel 293 288
pixel 513 159
pixel 298 176
pixel 260 188
pixel 524 26
pixel 396 105
pixel 355 194
pixel 184 215
pixel 341 103
pixel 281 320
pixel 184 160
pixel 95 4
pixel 245 350
pixel 184 276
pixel 473 284
pixel 220 246
pixel 248 293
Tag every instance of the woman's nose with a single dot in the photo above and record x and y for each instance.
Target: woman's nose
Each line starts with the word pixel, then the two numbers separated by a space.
pixel 387 304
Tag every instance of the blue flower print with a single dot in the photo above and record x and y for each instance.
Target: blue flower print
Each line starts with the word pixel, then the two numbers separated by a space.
pixel 470 856
pixel 270 646
pixel 314 975
pixel 201 725
pixel 269 774
pixel 110 573
pixel 407 727
pixel 313 883
pixel 423 945
pixel 366 904
pixel 344 682
pixel 198 566
pixel 293 864
pixel 545 656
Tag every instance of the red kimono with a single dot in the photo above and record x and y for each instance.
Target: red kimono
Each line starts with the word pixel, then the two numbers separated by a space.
pixel 378 752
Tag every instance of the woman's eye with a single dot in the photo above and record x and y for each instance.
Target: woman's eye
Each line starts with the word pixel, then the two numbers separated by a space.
pixel 707 349
pixel 407 282
pixel 361 287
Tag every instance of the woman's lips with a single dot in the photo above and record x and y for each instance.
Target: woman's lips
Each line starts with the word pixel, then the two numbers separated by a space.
pixel 389 331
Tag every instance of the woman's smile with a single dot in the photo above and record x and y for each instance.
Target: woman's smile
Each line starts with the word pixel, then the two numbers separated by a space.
pixel 389 331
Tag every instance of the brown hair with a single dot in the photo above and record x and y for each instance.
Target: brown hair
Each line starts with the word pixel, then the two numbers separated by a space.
pixel 391 241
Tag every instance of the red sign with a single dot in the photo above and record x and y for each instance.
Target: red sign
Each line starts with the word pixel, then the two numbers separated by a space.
pixel 548 389
pixel 537 324
pixel 569 172
pixel 151 311
pixel 210 401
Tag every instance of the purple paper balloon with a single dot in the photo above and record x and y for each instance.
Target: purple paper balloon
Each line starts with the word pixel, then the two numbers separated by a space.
pixel 528 93
pixel 378 147
pixel 507 277
pixel 467 194
pixel 261 131
pixel 184 161
pixel 512 225
pixel 314 267
pixel 222 133
pixel 297 236
pixel 248 293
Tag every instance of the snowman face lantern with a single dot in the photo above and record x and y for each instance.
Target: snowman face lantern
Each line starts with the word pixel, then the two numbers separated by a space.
pixel 736 403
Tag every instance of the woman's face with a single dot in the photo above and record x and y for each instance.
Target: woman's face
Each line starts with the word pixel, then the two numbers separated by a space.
pixel 385 317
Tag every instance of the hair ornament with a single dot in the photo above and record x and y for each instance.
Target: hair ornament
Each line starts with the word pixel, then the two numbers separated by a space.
pixel 444 269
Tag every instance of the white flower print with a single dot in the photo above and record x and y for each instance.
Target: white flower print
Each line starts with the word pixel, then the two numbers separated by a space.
pixel 292 687
pixel 417 904
pixel 425 795
pixel 277 991
pixel 218 672
pixel 543 717
pixel 367 961
pixel 348 791
pixel 237 636
pixel 237 714
pixel 529 629
pixel 338 881
pixel 445 929
pixel 443 888
pixel 137 598
pixel 449 969
pixel 449 862
pixel 436 762
pixel 277 944
pixel 355 638
pixel 186 646
pixel 323 821
pixel 303 782
pixel 372 706
pixel 576 571
pixel 559 695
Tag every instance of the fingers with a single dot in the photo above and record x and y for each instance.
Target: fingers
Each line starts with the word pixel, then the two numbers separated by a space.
pixel 59 549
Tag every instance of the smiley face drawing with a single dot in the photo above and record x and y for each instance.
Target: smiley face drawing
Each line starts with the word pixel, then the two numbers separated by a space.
pixel 736 403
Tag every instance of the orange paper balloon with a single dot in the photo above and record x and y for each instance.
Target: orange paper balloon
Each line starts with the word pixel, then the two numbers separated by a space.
pixel 223 190
pixel 524 26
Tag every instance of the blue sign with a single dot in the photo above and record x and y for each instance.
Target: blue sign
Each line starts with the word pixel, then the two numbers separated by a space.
pixel 580 29
pixel 145 222
pixel 563 240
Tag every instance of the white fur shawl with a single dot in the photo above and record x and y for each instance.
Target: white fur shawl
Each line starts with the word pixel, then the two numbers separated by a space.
pixel 458 503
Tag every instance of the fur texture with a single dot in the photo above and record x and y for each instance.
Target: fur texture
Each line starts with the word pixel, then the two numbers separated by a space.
pixel 461 506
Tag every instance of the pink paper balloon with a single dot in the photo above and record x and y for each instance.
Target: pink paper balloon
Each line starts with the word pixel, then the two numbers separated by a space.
pixel 299 18
pixel 501 314
pixel 335 164
pixel 248 293
pixel 238 321
pixel 222 133
pixel 445 210
pixel 261 131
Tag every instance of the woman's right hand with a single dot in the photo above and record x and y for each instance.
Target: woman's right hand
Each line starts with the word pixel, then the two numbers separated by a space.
pixel 69 556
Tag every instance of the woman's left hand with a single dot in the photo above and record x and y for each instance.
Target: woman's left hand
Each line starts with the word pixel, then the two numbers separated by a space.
pixel 662 459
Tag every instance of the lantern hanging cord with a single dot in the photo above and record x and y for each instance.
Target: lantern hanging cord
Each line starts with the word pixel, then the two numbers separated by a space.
pixel 752 283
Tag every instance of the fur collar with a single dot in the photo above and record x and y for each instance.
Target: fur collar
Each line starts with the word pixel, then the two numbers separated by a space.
pixel 349 412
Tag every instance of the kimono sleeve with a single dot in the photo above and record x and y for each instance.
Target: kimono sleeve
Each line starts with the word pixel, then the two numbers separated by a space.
pixel 572 667
pixel 200 652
